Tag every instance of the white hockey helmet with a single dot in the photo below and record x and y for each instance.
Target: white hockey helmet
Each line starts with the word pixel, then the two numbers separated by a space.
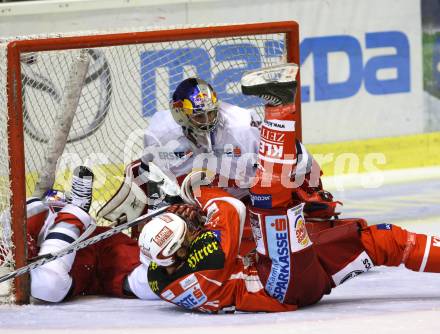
pixel 162 237
pixel 195 105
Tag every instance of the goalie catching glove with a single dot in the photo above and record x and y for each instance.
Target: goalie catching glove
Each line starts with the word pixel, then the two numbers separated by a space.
pixel 135 196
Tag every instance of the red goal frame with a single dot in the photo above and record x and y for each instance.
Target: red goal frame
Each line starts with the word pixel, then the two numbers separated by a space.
pixel 15 109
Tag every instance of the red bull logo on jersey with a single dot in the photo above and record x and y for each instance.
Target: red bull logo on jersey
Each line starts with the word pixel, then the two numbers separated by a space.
pixel 277 233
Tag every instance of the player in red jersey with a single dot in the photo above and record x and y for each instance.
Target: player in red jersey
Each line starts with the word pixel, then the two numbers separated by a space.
pixel 111 267
pixel 194 249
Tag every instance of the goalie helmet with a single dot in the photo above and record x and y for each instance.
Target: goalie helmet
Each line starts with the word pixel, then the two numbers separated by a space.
pixel 162 237
pixel 195 106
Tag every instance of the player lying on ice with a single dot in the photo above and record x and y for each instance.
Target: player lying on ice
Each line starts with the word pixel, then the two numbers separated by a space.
pixel 194 248
pixel 110 267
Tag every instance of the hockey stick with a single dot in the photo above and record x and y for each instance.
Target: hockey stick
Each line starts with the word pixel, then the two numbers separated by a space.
pixel 43 259
pixel 63 122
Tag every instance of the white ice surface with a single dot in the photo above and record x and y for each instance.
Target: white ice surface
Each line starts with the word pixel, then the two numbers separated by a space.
pixel 385 300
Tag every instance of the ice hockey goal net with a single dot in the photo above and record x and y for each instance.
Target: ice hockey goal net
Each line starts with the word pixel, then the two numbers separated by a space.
pixel 130 76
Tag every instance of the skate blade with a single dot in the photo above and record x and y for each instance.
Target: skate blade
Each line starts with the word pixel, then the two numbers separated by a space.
pixel 278 73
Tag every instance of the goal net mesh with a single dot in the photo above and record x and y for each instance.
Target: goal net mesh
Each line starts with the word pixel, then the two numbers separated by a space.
pixel 6 246
pixel 124 86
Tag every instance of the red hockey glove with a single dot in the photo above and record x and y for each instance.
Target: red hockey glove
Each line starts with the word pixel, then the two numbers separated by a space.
pixel 318 203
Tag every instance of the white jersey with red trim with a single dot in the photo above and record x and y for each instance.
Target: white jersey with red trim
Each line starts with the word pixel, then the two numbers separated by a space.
pixel 214 278
pixel 233 142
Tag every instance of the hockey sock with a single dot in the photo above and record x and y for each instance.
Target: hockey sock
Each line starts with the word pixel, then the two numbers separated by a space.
pixel 52 281
pixel 391 245
pixel 422 253
pixel 69 223
pixel 276 158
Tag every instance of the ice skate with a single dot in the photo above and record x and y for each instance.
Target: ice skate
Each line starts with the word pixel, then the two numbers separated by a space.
pixel 275 84
pixel 82 187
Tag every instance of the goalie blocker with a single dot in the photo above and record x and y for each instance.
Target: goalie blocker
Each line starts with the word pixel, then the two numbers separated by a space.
pixel 140 192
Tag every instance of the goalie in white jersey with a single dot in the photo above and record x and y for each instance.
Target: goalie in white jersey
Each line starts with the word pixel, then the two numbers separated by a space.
pixel 201 132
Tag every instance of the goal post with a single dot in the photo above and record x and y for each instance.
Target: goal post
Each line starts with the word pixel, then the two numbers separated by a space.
pixel 130 77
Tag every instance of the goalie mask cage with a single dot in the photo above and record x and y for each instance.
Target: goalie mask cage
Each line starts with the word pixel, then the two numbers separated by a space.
pixel 131 75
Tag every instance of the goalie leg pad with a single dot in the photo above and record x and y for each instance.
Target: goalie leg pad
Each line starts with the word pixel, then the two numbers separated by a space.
pixel 140 190
pixel 130 199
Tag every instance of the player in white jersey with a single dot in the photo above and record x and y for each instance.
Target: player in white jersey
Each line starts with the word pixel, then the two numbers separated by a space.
pixel 228 149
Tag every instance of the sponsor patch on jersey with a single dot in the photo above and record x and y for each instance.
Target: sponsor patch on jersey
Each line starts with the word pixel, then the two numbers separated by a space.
pixel 277 233
pixel 280 125
pixel 261 201
pixel 232 151
pixel 384 226
pixel 188 281
pixel 181 154
pixel 191 298
pixel 299 238
pixel 174 155
pixel 168 295
pixel 205 246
